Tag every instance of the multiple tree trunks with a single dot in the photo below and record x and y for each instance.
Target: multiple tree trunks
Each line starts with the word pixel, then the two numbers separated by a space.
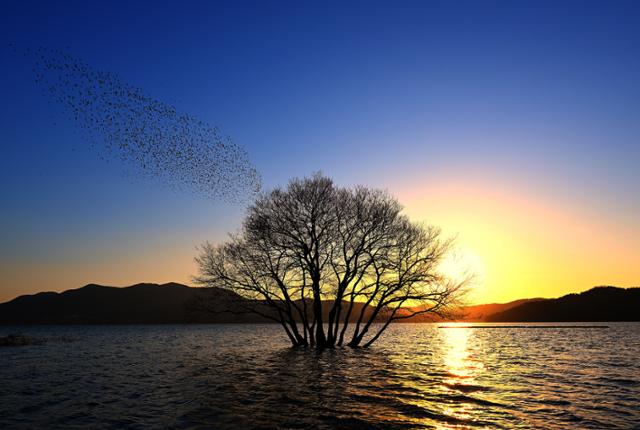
pixel 314 245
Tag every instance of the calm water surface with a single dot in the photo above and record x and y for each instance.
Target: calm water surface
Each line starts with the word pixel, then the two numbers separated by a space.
pixel 246 376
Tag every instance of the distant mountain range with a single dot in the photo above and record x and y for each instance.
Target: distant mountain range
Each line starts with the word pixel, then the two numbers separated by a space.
pixel 138 304
pixel 174 303
pixel 596 304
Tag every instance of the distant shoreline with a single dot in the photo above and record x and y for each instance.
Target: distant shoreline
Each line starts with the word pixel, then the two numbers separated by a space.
pixel 174 303
pixel 498 325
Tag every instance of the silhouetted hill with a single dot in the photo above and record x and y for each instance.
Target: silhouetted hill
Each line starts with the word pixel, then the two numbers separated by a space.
pixel 97 304
pixel 596 304
pixel 473 313
pixel 144 303
pixel 481 312
pixel 174 303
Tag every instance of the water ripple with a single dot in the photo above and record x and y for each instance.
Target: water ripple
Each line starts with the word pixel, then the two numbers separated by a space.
pixel 245 377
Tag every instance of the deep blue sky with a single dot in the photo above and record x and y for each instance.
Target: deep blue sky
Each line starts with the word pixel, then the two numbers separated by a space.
pixel 540 97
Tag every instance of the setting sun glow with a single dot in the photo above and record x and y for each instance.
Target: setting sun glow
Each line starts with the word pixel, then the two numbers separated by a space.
pixel 520 244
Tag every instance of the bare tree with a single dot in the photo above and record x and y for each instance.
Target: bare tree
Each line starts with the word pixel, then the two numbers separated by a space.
pixel 332 265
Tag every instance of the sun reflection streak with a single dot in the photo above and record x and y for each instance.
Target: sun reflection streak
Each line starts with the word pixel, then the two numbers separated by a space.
pixel 456 358
pixel 459 360
pixel 462 367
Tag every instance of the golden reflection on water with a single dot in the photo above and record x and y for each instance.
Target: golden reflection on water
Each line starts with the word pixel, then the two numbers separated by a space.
pixel 463 366
pixel 454 394
pixel 458 361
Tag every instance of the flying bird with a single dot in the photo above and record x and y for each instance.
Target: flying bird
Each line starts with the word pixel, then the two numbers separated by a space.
pixel 151 137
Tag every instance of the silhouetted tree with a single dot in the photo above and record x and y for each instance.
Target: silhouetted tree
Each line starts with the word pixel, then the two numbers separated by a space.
pixel 348 251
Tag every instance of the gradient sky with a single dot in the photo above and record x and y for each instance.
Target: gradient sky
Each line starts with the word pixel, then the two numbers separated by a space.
pixel 513 125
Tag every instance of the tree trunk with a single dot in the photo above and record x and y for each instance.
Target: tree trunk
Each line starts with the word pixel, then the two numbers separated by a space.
pixel 321 340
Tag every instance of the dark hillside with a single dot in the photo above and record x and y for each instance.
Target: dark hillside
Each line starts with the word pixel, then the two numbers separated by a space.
pixel 596 304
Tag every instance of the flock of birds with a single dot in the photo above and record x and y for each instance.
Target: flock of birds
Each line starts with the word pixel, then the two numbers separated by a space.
pixel 148 135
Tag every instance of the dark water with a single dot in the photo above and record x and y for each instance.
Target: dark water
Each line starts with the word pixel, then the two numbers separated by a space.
pixel 243 376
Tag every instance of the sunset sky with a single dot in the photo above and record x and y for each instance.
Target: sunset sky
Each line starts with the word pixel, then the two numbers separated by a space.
pixel 515 127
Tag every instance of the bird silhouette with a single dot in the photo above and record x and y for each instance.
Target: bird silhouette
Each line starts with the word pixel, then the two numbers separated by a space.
pixel 148 135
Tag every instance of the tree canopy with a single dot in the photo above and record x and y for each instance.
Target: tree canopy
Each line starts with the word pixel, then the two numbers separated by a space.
pixel 334 266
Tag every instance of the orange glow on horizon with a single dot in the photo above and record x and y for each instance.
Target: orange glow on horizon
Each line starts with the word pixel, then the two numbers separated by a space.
pixel 519 244
pixel 524 244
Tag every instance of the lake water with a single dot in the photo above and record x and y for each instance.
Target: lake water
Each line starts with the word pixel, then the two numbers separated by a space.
pixel 246 376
